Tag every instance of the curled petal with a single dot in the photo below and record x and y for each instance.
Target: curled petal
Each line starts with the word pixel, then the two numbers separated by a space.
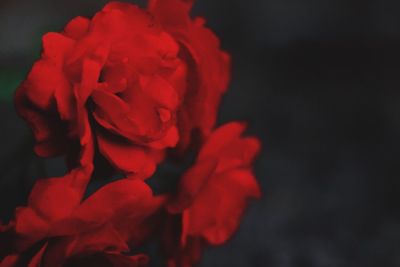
pixel 170 139
pixel 112 113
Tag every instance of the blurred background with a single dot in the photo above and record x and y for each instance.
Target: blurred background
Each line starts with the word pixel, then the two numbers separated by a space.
pixel 318 82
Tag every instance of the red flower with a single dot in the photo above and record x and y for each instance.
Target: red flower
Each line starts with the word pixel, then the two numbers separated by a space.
pixel 116 215
pixel 132 78
pixel 129 84
pixel 213 194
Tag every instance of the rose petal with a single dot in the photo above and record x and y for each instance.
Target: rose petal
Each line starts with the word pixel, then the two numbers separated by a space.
pixel 99 239
pixel 41 83
pixel 90 76
pixel 55 48
pixel 127 190
pixel 220 138
pixel 216 212
pixel 240 153
pixel 191 183
pixel 161 92
pixel 113 114
pixel 171 13
pixel 77 27
pixel 53 198
pixel 29 223
pixel 170 139
pixel 126 157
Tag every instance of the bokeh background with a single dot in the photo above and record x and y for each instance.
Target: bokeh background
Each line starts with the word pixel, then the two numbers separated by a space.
pixel 318 82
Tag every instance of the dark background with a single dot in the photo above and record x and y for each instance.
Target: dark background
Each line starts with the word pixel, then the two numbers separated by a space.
pixel 318 82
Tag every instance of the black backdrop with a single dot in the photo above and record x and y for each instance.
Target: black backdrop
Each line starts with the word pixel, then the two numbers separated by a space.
pixel 318 82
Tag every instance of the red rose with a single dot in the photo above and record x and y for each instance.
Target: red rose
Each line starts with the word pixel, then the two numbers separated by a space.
pixel 116 215
pixel 129 84
pixel 128 80
pixel 213 194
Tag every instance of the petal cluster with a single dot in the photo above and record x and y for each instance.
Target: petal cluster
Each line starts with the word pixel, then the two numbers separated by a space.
pixel 133 87
pixel 214 193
